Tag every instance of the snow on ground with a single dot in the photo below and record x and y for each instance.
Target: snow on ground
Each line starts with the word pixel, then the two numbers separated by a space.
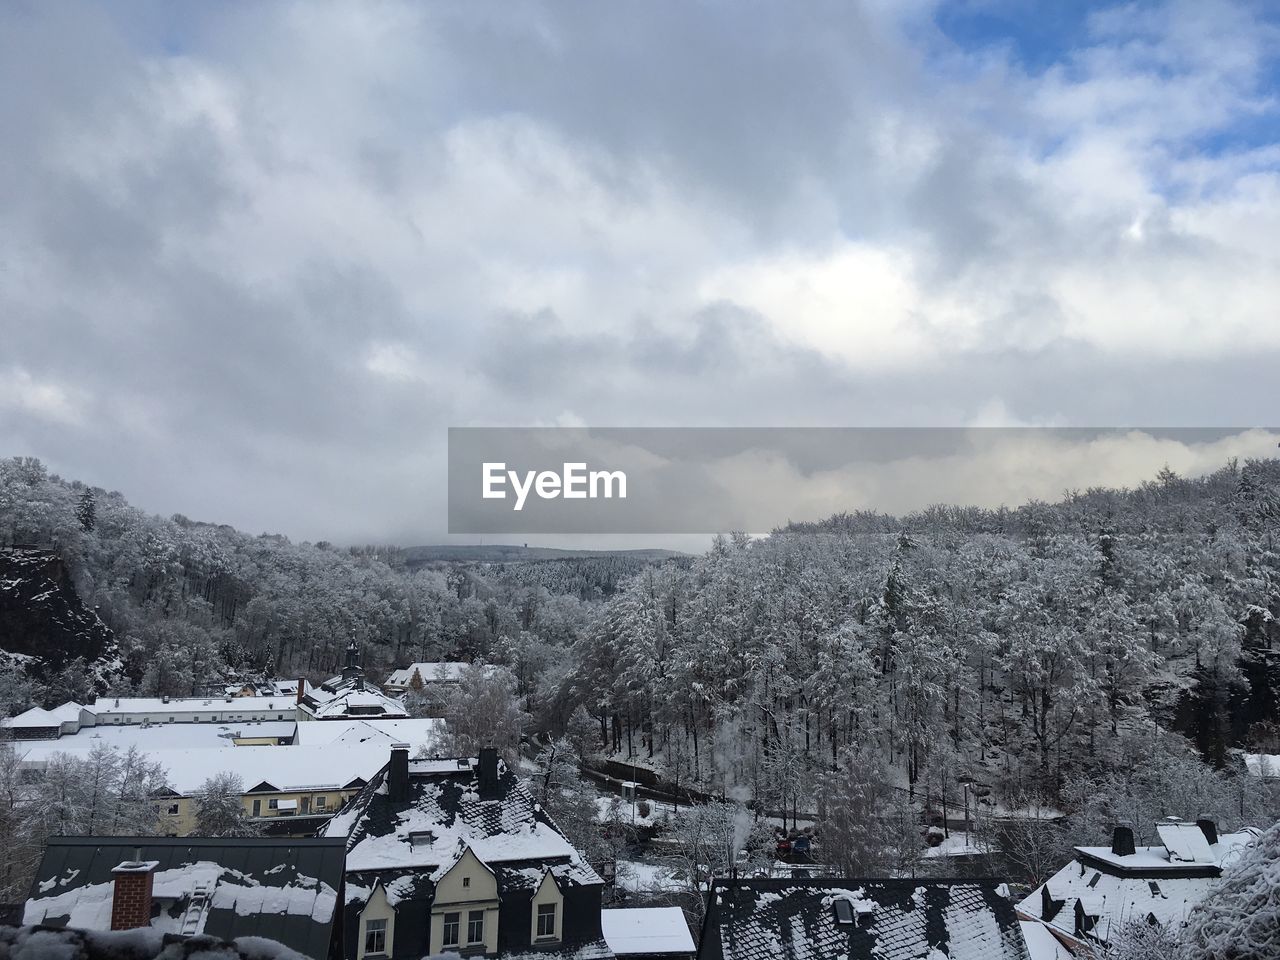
pixel 633 814
pixel 959 844
pixel 637 877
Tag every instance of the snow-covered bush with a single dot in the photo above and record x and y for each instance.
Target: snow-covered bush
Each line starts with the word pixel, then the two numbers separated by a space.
pixel 1240 919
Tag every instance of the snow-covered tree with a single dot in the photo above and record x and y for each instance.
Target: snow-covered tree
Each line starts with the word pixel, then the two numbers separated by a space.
pixel 219 808
pixel 1240 919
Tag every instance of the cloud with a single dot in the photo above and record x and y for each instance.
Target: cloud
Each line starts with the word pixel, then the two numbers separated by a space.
pixel 282 247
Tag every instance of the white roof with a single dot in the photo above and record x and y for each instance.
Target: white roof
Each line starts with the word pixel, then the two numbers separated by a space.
pixel 1118 900
pixel 633 930
pixel 285 768
pixel 1266 765
pixel 160 736
pixel 354 730
pixel 448 671
pixel 35 717
pixel 1186 843
pixel 107 706
pixel 1041 944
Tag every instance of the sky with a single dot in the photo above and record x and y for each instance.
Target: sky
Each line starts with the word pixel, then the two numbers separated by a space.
pixel 256 258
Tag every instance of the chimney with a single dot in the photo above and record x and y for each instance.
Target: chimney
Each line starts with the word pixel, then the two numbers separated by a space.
pixel 398 774
pixel 302 688
pixel 1208 828
pixel 487 772
pixel 1122 839
pixel 131 900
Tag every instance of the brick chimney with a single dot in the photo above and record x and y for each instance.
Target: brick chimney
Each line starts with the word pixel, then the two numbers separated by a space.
pixel 131 900
pixel 398 774
pixel 1122 839
pixel 302 690
pixel 487 773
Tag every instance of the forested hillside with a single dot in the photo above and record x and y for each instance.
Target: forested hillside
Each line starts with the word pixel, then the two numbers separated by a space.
pixel 1069 654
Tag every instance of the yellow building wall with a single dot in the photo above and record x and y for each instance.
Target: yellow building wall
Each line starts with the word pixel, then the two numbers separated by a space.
pixel 469 885
pixel 377 909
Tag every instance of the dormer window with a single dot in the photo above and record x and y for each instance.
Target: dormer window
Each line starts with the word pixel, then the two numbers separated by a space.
pixel 844 912
pixel 422 838
pixel 546 921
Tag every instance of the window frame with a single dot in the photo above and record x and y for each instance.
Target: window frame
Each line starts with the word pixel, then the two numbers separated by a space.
pixel 375 927
pixel 453 920
pixel 546 911
pixel 475 921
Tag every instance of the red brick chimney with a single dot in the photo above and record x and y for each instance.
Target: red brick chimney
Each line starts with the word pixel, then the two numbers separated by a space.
pixel 302 690
pixel 131 901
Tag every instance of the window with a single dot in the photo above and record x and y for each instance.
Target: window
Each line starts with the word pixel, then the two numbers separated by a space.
pixel 475 926
pixel 466 881
pixel 375 936
pixel 173 809
pixel 546 920
pixel 273 804
pixel 321 802
pixel 450 938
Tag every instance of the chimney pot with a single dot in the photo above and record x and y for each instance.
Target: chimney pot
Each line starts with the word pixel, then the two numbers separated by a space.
pixel 488 773
pixel 398 773
pixel 1208 828
pixel 1122 839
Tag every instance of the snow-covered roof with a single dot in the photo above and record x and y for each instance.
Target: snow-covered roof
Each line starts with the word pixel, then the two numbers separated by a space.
pixel 1190 843
pixel 111 706
pixel 1114 891
pixel 35 717
pixel 287 890
pixel 1041 944
pixel 160 736
pixel 1265 765
pixel 413 731
pixel 363 702
pixel 443 814
pixel 899 919
pixel 282 768
pixel 442 672
pixel 646 930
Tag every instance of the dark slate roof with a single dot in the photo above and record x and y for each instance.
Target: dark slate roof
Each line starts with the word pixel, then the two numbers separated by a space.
pixel 282 889
pixel 444 814
pixel 891 920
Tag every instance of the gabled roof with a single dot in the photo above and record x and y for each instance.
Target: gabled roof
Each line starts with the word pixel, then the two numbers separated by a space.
pixel 895 919
pixel 1114 890
pixel 443 672
pixel 285 890
pixel 444 800
pixel 351 700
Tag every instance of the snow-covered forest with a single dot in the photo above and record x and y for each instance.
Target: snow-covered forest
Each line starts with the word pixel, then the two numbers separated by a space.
pixel 1100 656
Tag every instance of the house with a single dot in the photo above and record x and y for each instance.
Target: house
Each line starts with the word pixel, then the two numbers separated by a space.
pixel 423 675
pixel 1106 888
pixel 348 696
pixel 896 919
pixel 39 724
pixel 647 933
pixel 289 891
pixel 290 788
pixel 455 855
